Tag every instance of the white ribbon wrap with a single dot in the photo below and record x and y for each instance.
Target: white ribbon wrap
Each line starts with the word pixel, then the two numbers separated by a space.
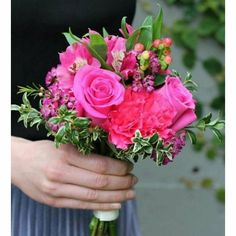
pixel 106 215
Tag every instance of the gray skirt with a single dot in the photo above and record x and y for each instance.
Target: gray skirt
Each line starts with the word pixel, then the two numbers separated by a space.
pixel 30 218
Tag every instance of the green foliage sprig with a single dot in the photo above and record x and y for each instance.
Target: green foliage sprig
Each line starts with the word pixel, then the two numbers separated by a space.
pixel 146 147
pixel 206 123
pixel 28 115
pixel 75 130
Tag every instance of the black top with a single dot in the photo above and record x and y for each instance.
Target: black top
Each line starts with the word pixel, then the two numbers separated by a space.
pixel 36 39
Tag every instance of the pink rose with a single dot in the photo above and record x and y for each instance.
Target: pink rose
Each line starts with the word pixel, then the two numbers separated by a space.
pixel 182 100
pixel 148 112
pixel 97 90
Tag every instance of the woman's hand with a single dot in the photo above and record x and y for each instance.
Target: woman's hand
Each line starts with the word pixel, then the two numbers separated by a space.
pixel 65 178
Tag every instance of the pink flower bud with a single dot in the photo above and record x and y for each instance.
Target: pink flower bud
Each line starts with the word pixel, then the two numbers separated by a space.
pixel 168 59
pixel 139 47
pixel 156 43
pixel 167 42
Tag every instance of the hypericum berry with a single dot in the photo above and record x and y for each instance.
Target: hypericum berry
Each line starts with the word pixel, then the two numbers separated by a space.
pixel 143 67
pixel 40 94
pixel 139 47
pixel 167 52
pixel 167 42
pixel 145 55
pixel 156 43
pixel 168 59
pixel 70 105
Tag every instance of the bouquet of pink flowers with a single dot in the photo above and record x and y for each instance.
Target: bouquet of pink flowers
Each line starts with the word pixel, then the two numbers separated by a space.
pixel 115 95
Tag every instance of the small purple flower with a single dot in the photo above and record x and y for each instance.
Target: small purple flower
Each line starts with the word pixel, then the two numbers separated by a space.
pixel 51 76
pixel 49 108
pixel 154 63
pixel 148 83
pixel 178 143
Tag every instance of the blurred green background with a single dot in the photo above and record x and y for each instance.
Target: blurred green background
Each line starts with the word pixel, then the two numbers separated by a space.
pixel 186 197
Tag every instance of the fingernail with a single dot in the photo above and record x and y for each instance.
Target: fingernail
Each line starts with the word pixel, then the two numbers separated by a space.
pixel 130 194
pixel 116 205
pixel 135 180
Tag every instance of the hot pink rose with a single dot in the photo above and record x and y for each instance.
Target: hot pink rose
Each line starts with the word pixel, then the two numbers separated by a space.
pixel 182 100
pixel 97 90
pixel 144 111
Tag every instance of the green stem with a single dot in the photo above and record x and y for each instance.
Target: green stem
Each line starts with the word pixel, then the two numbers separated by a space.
pixel 93 226
pixel 101 229
pixel 112 228
pixel 106 229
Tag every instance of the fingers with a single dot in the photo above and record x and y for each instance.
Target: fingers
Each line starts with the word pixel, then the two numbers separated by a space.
pixel 100 164
pixel 85 178
pixel 78 204
pixel 92 195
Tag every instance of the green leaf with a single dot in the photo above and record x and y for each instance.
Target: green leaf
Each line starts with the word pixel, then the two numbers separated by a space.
pixel 54 120
pixel 60 134
pixel 98 43
pixel 159 80
pixel 148 21
pixel 146 37
pixel 199 108
pixel 207 118
pixel 101 60
pixel 212 66
pixel 220 195
pixel 15 107
pixel 157 25
pixel 218 134
pixel 154 138
pixel 190 38
pixel 25 99
pixel 105 33
pixel 192 136
pixel 220 35
pixel 171 2
pixel 207 26
pixel 189 59
pixel 211 153
pixel 70 37
pixel 219 125
pixel 133 39
pixel 124 28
